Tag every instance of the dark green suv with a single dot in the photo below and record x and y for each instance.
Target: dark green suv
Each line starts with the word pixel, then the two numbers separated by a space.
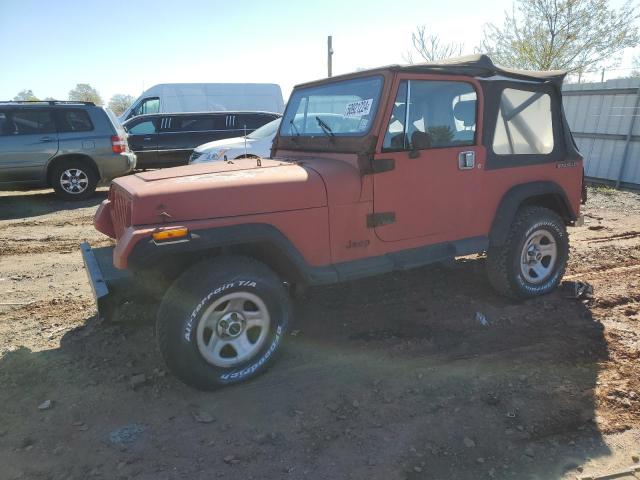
pixel 69 146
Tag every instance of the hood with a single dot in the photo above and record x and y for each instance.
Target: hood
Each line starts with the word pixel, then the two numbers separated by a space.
pixel 235 142
pixel 219 189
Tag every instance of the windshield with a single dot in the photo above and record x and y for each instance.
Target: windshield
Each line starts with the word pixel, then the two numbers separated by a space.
pixel 265 131
pixel 345 108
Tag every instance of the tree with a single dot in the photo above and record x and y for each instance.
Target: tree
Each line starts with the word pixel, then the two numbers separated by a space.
pixel 85 93
pixel 430 47
pixel 572 35
pixel 25 95
pixel 120 102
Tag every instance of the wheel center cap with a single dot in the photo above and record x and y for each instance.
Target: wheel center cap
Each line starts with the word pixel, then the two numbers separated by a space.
pixel 231 325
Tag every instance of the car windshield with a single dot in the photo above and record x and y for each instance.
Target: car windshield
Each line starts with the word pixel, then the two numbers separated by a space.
pixel 265 131
pixel 343 108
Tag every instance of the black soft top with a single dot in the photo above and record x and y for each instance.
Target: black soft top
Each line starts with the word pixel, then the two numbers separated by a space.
pixel 479 65
pixel 493 80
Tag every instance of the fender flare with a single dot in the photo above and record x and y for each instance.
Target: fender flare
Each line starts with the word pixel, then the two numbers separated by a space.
pixel 259 240
pixel 546 193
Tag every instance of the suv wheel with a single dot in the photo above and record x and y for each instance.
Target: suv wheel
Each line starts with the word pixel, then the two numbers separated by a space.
pixel 534 257
pixel 222 321
pixel 74 180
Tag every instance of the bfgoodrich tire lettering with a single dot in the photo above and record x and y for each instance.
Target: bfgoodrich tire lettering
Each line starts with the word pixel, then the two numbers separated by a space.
pixel 200 300
pixel 505 263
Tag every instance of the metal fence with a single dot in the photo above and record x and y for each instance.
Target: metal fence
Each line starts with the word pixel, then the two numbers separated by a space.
pixel 603 119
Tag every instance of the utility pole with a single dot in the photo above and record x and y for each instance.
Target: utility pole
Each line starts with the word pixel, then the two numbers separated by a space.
pixel 602 78
pixel 329 54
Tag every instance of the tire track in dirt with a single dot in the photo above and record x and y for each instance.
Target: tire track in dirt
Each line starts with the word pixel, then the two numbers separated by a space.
pixel 43 245
pixel 618 236
pixel 79 221
pixel 604 271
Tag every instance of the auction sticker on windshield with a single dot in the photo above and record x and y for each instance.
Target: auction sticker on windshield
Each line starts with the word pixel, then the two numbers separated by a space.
pixel 358 109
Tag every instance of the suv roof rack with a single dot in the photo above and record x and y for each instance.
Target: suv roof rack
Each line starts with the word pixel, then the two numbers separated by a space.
pixel 50 102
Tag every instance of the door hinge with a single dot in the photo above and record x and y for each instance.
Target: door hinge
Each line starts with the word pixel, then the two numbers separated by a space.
pixel 379 219
pixel 383 165
pixel 368 164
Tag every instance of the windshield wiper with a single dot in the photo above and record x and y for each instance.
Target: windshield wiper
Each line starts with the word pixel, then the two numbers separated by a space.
pixel 325 128
pixel 294 127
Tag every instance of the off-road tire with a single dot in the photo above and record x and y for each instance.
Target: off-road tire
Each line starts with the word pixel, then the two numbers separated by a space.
pixel 185 305
pixel 503 262
pixel 75 165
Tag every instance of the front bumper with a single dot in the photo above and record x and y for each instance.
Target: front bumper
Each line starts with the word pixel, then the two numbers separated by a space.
pixel 106 280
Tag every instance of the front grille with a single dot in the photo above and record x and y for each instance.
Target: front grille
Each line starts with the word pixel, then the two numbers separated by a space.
pixel 194 155
pixel 120 210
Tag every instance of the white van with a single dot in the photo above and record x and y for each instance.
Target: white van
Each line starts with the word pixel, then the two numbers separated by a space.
pixel 207 97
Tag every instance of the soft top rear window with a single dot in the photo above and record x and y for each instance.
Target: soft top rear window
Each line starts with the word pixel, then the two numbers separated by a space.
pixel 343 109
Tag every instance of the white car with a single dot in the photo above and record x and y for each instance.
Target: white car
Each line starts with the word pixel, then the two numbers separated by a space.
pixel 256 144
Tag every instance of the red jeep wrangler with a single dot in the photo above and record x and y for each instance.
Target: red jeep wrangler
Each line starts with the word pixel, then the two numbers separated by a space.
pixel 380 170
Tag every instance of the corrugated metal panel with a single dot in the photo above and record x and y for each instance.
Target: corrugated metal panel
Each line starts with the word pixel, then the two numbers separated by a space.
pixel 602 118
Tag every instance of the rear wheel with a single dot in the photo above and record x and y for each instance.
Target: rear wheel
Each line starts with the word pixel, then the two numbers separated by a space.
pixel 222 321
pixel 74 180
pixel 534 257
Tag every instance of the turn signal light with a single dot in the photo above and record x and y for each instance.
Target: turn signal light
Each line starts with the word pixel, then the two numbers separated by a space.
pixel 170 234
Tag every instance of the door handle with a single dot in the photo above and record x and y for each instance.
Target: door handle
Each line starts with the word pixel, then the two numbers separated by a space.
pixel 147 139
pixel 46 139
pixel 466 160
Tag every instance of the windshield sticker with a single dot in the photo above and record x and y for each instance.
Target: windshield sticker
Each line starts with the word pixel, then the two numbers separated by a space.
pixel 363 124
pixel 358 109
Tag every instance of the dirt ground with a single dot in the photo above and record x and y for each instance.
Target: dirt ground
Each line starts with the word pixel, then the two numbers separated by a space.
pixel 386 378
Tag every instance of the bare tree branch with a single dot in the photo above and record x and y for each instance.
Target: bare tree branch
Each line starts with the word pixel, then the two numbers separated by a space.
pixel 430 47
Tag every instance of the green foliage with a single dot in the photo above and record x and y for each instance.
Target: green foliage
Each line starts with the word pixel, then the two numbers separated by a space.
pixel 120 102
pixel 83 92
pixel 26 95
pixel 572 35
pixel 605 190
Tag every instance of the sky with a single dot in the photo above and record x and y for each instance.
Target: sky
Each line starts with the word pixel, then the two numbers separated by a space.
pixel 127 46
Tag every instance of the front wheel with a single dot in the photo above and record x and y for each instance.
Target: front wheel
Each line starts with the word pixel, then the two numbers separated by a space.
pixel 534 257
pixel 222 322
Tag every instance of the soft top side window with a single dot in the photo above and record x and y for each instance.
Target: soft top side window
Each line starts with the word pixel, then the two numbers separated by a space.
pixel 525 123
